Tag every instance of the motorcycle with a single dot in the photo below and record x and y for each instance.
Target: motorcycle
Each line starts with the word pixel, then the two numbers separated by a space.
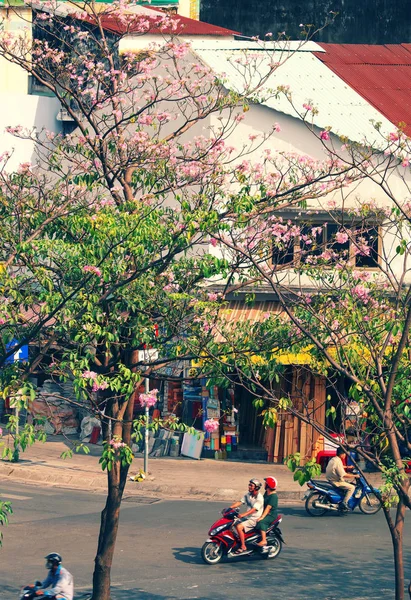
pixel 323 496
pixel 223 540
pixel 29 593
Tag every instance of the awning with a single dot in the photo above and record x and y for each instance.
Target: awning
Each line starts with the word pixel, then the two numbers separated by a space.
pixel 238 312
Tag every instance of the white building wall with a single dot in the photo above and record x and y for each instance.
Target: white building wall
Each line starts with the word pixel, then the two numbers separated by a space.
pixel 295 137
pixel 30 112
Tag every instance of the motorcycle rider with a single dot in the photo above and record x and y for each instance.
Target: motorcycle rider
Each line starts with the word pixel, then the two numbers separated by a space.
pixel 270 509
pixel 336 473
pixel 254 502
pixel 60 580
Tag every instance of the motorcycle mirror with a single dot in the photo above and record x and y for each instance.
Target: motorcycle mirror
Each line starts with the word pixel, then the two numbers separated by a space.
pixel 38 583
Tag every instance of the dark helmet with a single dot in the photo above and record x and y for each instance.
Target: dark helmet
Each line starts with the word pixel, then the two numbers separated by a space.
pixel 257 483
pixel 54 558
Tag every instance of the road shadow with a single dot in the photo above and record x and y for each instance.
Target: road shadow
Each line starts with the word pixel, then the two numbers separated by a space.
pixel 299 511
pixel 135 593
pixel 192 556
pixel 301 573
pixel 13 591
pixel 188 555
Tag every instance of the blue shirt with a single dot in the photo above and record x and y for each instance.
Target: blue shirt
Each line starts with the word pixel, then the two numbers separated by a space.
pixel 61 582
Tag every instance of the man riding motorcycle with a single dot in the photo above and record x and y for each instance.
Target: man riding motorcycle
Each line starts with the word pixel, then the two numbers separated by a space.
pixel 254 502
pixel 336 474
pixel 59 580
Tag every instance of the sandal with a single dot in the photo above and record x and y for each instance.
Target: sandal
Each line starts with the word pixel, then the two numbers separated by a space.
pixel 240 551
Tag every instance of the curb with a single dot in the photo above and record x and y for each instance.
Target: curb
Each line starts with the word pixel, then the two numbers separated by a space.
pixel 98 484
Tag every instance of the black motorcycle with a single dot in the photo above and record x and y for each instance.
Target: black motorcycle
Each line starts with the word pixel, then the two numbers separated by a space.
pixel 29 593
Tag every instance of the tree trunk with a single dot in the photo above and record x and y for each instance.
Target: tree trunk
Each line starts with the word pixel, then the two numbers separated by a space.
pixel 110 516
pixel 107 537
pixel 397 541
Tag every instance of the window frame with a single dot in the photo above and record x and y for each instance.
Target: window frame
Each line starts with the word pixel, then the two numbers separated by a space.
pixel 296 247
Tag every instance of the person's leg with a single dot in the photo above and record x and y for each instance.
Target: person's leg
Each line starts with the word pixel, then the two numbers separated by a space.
pixel 263 538
pixel 241 535
pixel 262 528
pixel 344 485
pixel 350 490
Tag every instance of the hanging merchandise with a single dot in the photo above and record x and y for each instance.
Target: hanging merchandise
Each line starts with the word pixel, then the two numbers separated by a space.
pixel 210 411
pixel 230 425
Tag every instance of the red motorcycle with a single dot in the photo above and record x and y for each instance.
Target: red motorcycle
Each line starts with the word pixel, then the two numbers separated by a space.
pixel 223 540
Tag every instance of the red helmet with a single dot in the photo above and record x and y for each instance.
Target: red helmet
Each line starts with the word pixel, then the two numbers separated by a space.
pixel 271 482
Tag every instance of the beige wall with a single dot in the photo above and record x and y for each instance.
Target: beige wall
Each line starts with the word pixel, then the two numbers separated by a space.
pixel 188 8
pixel 12 77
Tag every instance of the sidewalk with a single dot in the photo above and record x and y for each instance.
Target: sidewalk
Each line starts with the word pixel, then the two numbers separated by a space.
pixel 167 477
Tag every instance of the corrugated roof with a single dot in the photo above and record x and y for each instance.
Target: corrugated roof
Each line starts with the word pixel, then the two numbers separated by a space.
pixel 309 79
pixel 184 25
pixel 380 74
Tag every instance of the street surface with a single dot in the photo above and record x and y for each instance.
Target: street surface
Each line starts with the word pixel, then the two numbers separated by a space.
pixel 158 550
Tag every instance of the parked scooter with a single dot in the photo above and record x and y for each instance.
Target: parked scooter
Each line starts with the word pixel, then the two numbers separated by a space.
pixel 223 540
pixel 323 496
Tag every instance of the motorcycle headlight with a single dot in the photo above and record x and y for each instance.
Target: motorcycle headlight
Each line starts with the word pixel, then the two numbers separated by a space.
pixel 217 529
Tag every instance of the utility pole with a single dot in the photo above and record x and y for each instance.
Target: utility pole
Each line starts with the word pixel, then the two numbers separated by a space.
pixel 147 415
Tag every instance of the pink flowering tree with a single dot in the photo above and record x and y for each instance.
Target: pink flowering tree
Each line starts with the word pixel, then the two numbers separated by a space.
pixel 339 270
pixel 104 235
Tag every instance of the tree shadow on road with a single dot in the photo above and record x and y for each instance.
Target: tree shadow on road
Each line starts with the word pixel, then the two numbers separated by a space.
pixel 135 593
pixel 306 574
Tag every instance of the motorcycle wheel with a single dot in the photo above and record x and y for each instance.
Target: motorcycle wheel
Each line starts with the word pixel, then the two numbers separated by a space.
pixel 309 505
pixel 277 547
pixel 369 504
pixel 212 553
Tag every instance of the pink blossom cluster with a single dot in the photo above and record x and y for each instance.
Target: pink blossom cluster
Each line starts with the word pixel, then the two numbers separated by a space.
pixel 362 293
pixel 335 325
pixel 24 168
pixel 89 375
pixel 341 237
pixel 149 399
pixel 211 425
pixel 116 443
pixel 361 274
pixel 17 130
pixel 362 248
pixel 102 385
pixel 328 254
pixel 92 269
pixel 171 287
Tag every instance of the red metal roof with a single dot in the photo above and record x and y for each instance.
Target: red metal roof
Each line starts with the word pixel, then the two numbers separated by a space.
pixel 185 26
pixel 380 74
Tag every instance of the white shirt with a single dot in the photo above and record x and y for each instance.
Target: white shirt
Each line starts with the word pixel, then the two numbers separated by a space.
pixel 256 502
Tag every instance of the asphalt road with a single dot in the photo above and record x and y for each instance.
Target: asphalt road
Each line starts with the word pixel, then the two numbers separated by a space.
pixel 157 554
